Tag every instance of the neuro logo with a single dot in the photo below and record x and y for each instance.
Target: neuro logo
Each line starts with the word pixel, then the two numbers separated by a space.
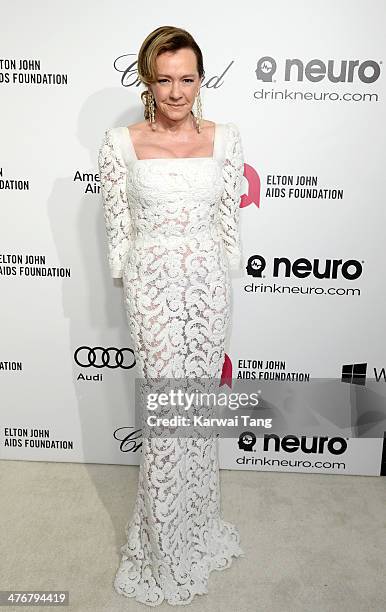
pixel 292 444
pixel 256 266
pixel 316 444
pixel 100 357
pixel 302 267
pixel 354 373
pixel 266 67
pixel 316 70
pixel 247 440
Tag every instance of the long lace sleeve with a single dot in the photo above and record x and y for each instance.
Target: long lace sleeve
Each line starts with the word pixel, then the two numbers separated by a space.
pixel 112 172
pixel 233 170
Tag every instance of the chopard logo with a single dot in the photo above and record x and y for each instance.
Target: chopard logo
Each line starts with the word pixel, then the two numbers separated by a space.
pixel 100 357
pixel 129 442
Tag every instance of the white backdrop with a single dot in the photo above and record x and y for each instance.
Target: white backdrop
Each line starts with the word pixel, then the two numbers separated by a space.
pixel 283 72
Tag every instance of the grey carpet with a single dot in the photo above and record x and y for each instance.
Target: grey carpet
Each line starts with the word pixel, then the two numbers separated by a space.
pixel 313 542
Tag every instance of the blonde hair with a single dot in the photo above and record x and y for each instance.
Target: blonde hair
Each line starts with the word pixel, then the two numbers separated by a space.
pixel 164 38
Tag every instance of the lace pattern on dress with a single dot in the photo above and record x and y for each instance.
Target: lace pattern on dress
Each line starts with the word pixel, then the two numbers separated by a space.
pixel 172 229
pixel 233 170
pixel 113 174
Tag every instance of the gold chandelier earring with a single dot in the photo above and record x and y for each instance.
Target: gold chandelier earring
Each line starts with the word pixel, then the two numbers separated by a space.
pixel 149 102
pixel 198 115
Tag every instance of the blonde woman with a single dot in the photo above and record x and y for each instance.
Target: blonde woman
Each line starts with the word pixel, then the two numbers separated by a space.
pixel 171 194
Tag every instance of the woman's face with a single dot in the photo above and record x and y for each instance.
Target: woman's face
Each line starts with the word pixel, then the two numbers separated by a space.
pixel 177 83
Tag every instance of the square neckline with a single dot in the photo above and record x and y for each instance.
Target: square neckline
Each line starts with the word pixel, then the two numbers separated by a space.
pixel 172 158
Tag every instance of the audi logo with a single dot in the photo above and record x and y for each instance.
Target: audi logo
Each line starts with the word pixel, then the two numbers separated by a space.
pixel 100 357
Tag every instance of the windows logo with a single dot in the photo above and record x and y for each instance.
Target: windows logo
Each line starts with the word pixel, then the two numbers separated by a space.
pixel 354 373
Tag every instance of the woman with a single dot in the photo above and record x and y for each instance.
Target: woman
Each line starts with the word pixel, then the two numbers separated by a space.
pixel 171 194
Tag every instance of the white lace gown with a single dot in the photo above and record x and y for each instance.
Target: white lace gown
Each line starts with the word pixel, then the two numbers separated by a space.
pixel 173 236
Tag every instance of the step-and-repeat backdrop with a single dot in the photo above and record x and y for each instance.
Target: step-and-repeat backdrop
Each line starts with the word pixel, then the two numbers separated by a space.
pixel 305 83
